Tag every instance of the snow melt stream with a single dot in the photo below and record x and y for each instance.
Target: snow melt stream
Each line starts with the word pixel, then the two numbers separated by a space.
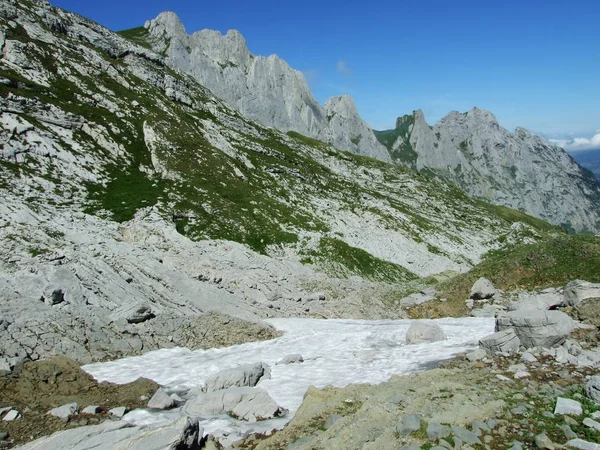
pixel 335 352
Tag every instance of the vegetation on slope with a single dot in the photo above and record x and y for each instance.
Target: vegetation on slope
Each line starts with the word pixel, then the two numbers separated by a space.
pixel 551 262
pixel 262 188
pixel 403 152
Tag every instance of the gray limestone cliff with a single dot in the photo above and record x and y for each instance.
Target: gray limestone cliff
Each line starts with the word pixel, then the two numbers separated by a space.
pixel 265 89
pixel 519 170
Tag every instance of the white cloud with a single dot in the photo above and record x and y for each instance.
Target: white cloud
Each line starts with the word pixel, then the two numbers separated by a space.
pixel 311 76
pixel 343 68
pixel 579 143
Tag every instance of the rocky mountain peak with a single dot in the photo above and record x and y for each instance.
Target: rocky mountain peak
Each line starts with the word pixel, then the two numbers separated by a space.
pixel 167 22
pixel 521 170
pixel 341 104
pixel 265 89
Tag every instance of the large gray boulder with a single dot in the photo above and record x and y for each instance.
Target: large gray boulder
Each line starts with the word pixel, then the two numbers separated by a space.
pixel 538 301
pixel 422 332
pixel 161 400
pixel 246 375
pixel 423 296
pixel 578 290
pixel 182 434
pixel 64 411
pixel 538 328
pixel 135 313
pixel 592 388
pixel 505 341
pixel 482 289
pixel 245 403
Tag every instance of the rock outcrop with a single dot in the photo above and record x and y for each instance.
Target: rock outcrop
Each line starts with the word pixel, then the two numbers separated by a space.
pixel 264 89
pixel 182 434
pixel 247 375
pixel 245 403
pixel 519 170
pixel 544 329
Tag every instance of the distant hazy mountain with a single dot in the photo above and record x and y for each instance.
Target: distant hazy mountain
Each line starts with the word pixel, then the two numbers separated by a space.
pixel 589 159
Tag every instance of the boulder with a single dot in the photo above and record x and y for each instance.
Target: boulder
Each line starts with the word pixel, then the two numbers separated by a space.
pixel 545 329
pixel 64 411
pixel 482 289
pixel 182 434
pixel 246 375
pixel 582 445
pixel 11 415
pixel 161 400
pixel 118 412
pixel 140 314
pixel 435 431
pixel 409 424
pixel 592 388
pixel 540 301
pixel 591 423
pixel 476 355
pixel 505 341
pixel 423 296
pixel 422 332
pixel 543 442
pixel 468 437
pixel 245 403
pixel 588 311
pixel 568 406
pixel 577 290
pixel 92 409
pixel 136 313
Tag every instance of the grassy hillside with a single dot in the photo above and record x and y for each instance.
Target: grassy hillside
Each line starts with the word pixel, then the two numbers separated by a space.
pixel 551 262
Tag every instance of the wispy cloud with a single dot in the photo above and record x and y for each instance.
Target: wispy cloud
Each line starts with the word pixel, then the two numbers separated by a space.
pixel 579 143
pixel 343 68
pixel 311 75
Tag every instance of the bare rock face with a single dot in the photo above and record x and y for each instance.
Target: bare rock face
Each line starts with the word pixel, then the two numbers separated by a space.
pixel 545 329
pixel 505 341
pixel 183 433
pixel 578 290
pixel 246 403
pixel 519 170
pixel 265 89
pixel 247 375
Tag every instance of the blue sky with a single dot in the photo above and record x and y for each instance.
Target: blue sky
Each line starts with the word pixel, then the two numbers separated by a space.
pixel 532 63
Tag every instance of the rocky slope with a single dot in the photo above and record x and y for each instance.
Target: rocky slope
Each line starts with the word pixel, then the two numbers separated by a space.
pixel 265 89
pixel 117 224
pixel 519 170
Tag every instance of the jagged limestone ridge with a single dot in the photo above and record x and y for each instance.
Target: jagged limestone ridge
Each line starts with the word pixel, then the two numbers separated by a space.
pixel 519 170
pixel 265 89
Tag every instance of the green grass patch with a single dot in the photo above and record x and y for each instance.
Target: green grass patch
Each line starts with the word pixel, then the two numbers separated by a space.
pixel 553 261
pixel 306 140
pixel 341 259
pixel 137 35
pixel 404 152
pixel 512 216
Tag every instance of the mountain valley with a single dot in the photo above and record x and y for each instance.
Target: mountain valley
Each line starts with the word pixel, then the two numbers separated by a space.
pixel 164 190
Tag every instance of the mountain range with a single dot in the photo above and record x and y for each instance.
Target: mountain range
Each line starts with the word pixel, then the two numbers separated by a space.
pixel 181 176
pixel 521 170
